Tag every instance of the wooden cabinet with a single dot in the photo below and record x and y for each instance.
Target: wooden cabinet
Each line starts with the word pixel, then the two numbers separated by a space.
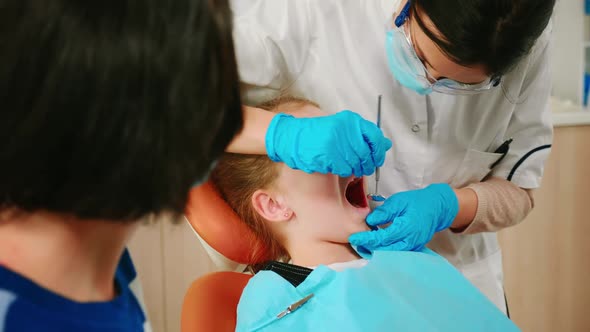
pixel 547 257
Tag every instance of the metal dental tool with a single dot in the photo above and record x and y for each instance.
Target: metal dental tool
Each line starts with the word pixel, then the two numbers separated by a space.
pixel 295 306
pixel 376 197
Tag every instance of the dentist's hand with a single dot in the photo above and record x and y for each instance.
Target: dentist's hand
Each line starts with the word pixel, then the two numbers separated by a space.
pixel 343 144
pixel 416 216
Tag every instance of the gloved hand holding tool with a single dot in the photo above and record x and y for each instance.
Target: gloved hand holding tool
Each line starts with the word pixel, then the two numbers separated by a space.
pixel 344 144
pixel 415 215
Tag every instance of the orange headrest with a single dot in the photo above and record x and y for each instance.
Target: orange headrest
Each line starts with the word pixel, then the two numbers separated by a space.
pixel 211 301
pixel 217 223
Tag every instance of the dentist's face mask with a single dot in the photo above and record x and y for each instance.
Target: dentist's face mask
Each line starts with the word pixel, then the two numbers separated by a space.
pixel 408 69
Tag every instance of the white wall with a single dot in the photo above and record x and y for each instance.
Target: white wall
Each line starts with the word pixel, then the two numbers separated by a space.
pixel 568 37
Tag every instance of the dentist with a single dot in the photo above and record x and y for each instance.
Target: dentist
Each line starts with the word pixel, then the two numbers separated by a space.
pixel 465 86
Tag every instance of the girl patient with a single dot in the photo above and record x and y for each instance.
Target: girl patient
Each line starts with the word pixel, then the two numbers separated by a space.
pixel 306 219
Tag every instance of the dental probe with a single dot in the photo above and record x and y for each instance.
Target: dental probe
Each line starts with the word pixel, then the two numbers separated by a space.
pixel 376 197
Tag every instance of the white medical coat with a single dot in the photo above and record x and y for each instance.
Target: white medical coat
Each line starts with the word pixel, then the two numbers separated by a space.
pixel 332 52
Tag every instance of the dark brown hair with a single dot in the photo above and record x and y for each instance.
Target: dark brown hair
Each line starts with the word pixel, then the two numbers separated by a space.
pixel 493 33
pixel 113 109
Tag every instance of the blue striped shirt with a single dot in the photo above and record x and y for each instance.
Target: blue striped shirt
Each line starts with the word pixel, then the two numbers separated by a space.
pixel 25 306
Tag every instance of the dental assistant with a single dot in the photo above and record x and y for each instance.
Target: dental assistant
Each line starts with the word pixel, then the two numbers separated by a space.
pixel 465 87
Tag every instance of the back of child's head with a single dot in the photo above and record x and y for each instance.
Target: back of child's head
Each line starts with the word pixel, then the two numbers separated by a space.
pixel 237 177
pixel 112 109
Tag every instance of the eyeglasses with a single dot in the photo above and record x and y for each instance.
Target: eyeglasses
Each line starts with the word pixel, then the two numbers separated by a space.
pixel 416 67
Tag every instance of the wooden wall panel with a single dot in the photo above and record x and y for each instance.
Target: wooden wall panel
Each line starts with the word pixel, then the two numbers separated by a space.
pixel 547 257
pixel 146 252
pixel 168 258
pixel 184 260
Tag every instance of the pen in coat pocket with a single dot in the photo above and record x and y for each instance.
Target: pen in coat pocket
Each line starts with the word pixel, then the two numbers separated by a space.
pixel 503 149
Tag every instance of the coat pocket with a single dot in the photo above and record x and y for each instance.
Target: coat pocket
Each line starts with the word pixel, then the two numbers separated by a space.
pixel 475 167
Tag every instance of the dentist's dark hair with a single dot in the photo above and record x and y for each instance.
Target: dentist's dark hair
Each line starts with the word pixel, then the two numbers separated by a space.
pixel 112 109
pixel 493 33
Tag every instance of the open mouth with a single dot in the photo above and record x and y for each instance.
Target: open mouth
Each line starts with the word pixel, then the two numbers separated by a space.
pixel 355 193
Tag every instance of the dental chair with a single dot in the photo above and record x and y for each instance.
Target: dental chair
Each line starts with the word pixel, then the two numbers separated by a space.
pixel 211 301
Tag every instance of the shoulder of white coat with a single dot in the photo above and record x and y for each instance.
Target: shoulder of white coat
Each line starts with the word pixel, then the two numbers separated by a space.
pixel 257 7
pixel 542 42
pixel 546 35
pixel 517 82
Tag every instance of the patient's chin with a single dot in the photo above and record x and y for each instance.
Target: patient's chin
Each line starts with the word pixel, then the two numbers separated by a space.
pixel 360 226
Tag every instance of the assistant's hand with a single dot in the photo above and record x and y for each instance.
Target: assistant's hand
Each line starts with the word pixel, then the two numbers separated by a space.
pixel 416 216
pixel 343 144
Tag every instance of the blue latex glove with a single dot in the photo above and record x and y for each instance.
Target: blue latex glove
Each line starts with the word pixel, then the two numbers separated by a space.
pixel 416 216
pixel 343 144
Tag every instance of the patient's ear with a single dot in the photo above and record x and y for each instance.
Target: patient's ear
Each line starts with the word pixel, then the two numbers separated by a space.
pixel 271 207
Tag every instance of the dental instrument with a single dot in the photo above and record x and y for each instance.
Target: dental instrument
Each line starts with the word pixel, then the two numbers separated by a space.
pixel 375 196
pixel 295 306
